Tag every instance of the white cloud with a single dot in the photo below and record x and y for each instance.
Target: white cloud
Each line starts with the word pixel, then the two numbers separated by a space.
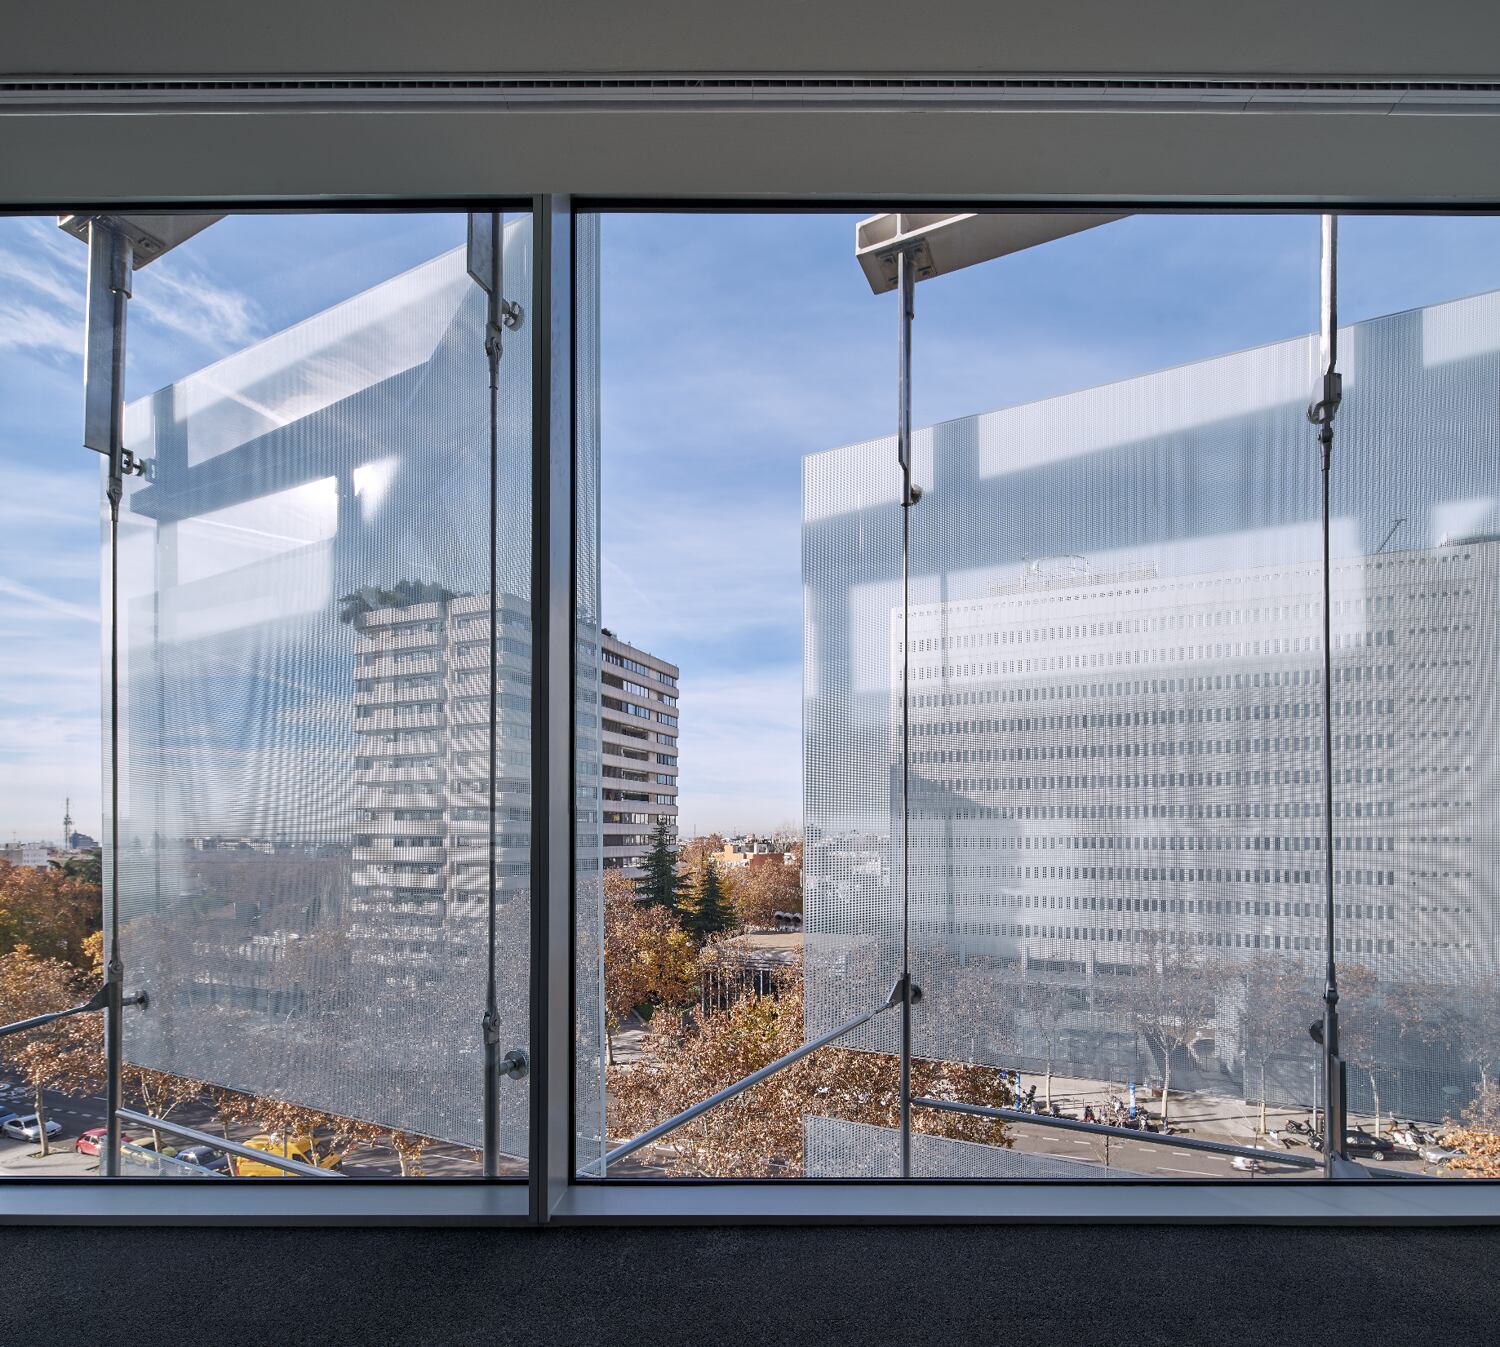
pixel 181 298
pixel 37 600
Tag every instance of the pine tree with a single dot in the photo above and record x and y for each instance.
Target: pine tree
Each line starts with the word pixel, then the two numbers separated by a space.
pixel 712 911
pixel 660 883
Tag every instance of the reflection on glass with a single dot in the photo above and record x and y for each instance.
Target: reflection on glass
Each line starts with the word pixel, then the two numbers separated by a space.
pixel 1416 490
pixel 305 684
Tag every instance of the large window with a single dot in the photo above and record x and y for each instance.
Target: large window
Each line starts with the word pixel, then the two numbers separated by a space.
pixel 562 730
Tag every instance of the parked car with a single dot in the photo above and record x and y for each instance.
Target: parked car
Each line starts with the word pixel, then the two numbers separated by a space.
pixel 205 1157
pixel 302 1148
pixel 144 1150
pixel 1360 1144
pixel 1434 1154
pixel 92 1141
pixel 27 1127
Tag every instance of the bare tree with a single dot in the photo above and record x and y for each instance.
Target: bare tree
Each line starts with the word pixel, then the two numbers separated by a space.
pixel 1042 1006
pixel 1281 1001
pixel 1171 1000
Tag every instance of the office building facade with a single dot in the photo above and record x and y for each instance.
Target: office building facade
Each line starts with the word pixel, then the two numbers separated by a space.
pixel 1115 759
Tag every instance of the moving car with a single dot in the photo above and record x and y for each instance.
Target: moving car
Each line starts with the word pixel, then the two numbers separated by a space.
pixel 302 1148
pixel 26 1127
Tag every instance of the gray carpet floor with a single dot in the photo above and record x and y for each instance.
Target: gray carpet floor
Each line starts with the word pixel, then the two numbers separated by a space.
pixel 1111 1285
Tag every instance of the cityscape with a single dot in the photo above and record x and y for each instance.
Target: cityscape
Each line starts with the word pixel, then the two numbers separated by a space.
pixel 1078 780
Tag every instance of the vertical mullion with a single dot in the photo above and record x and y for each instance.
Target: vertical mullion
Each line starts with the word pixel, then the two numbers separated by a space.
pixel 552 585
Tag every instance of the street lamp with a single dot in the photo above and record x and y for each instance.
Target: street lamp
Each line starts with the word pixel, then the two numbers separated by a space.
pixel 896 251
pixel 117 244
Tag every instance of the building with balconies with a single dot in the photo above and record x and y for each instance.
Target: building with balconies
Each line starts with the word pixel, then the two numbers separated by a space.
pixel 639 730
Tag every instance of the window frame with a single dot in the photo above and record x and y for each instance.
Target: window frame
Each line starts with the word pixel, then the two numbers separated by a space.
pixel 553 1191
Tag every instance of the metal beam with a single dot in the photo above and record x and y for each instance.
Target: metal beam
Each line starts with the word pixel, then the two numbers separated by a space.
pixel 553 560
pixel 1122 1133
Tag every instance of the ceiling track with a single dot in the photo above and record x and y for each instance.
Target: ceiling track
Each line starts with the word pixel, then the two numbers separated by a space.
pixel 750 93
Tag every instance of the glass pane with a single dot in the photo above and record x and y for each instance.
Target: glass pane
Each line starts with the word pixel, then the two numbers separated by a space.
pixel 1416 573
pixel 306 674
pixel 1115 883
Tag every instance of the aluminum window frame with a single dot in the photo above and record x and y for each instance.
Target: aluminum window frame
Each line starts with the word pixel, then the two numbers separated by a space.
pixel 553 1193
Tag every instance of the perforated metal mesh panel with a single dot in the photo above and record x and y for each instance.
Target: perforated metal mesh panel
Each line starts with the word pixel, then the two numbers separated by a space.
pixel 1416 574
pixel 588 991
pixel 1116 754
pixel 305 685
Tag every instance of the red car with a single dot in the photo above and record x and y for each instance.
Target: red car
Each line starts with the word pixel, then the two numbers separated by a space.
pixel 89 1142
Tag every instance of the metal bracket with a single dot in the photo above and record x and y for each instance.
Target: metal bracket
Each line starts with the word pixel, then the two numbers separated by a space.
pixel 899 993
pixel 1321 412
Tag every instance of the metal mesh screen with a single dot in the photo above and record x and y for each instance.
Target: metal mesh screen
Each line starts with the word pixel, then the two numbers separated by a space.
pixel 588 991
pixel 305 682
pixel 1416 576
pixel 1116 727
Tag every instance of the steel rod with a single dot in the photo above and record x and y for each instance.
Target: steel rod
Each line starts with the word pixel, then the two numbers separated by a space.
pixel 109 286
pixel 97 1002
pixel 1127 1133
pixel 224 1144
pixel 1321 413
pixel 906 287
pixel 491 1020
pixel 744 1083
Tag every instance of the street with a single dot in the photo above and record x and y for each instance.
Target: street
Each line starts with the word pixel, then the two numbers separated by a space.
pixel 80 1113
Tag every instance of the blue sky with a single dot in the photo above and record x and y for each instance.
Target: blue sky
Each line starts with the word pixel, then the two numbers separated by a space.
pixel 732 346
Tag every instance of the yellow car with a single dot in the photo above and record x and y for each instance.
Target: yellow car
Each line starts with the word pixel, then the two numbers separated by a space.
pixel 301 1148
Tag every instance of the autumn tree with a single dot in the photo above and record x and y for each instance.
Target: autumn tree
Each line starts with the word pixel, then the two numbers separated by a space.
pixel 158 1093
pixel 329 1133
pixel 1281 1001
pixel 1477 1136
pixel 1171 1000
pixel 709 913
pixel 63 1056
pixel 759 1133
pixel 761 891
pixel 49 910
pixel 648 959
pixel 699 849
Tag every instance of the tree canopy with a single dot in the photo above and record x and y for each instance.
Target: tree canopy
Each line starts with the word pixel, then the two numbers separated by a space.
pixel 710 911
pixel 660 882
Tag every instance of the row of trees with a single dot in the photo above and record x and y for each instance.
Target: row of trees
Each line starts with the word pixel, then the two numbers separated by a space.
pixel 52 910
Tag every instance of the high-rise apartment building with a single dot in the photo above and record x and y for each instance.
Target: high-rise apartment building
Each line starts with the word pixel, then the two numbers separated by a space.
pixel 422 713
pixel 638 724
